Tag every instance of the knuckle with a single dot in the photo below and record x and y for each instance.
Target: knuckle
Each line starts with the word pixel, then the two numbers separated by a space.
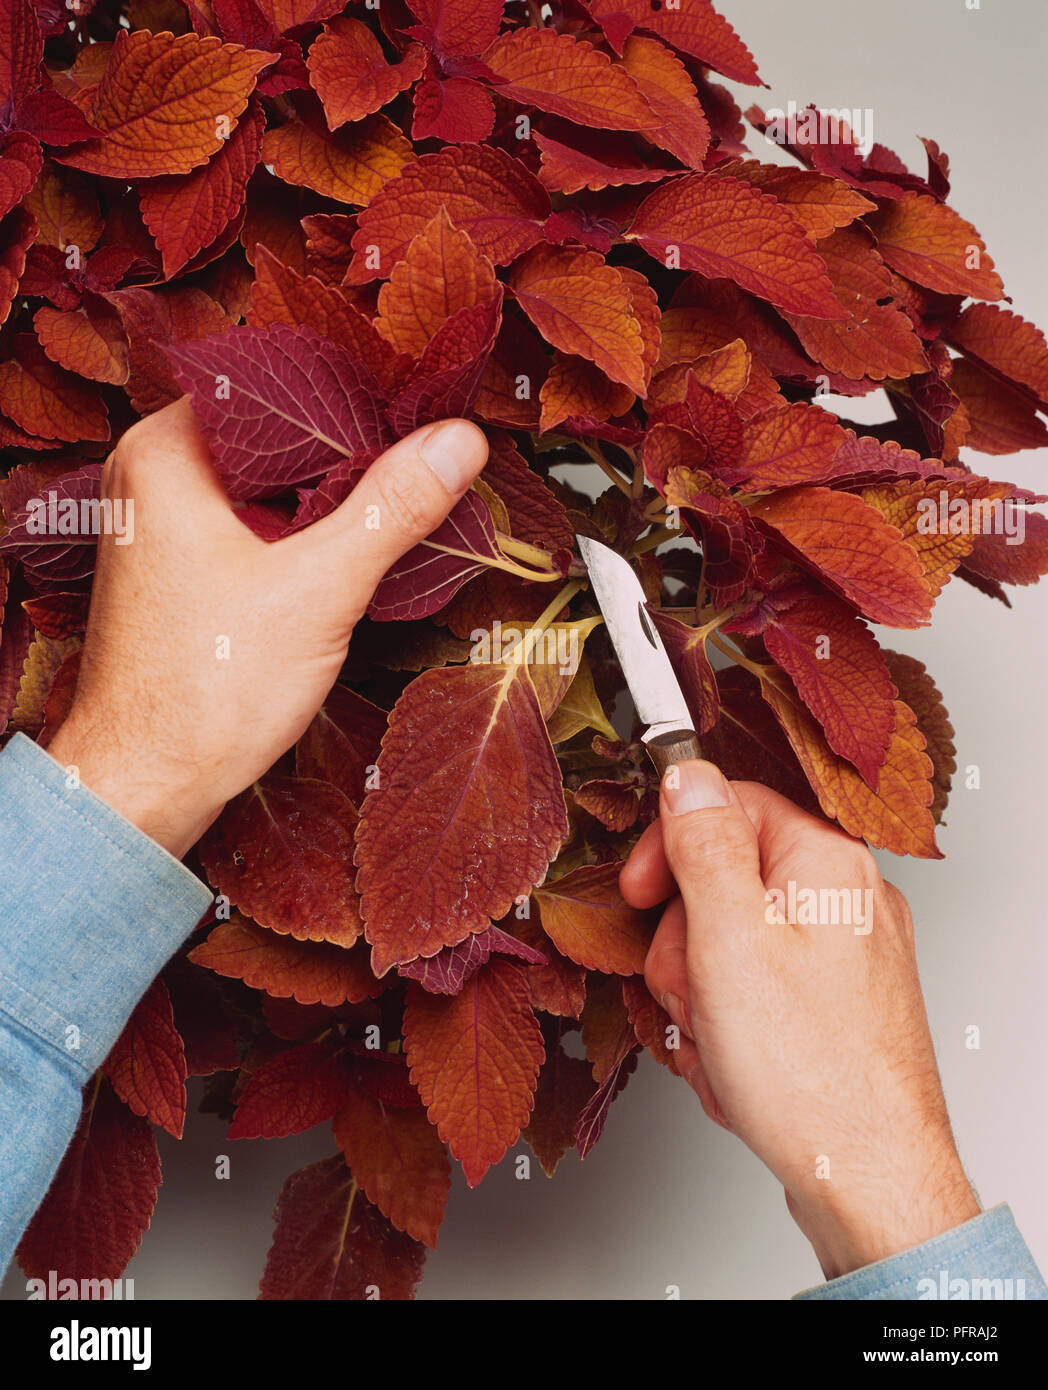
pixel 403 502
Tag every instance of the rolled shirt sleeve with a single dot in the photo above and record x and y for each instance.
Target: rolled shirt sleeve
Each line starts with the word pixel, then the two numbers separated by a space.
pixel 90 911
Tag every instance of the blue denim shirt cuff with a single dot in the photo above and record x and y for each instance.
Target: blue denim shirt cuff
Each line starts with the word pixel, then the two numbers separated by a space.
pixel 986 1258
pixel 113 907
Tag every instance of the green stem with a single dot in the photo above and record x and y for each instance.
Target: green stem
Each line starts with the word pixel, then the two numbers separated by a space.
pixel 523 649
pixel 521 550
pixel 737 656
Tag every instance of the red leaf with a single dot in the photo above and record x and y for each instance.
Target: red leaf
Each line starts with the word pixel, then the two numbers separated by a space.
pixel 1002 418
pixel 350 73
pixel 330 1243
pixel 1004 343
pixel 44 400
pixel 147 1065
pixel 919 691
pixel 153 320
pixel 460 27
pixel 607 1034
pixel 299 1088
pixel 296 406
pixel 101 1199
pixel 840 674
pixel 694 28
pixel 594 1115
pixel 475 1058
pixel 432 572
pixel 564 1088
pixel 686 647
pixel 651 1024
pixel 449 970
pixel 17 232
pixel 399 1161
pixel 457 110
pixel 311 972
pixel 467 757
pixel 54 562
pixel 351 165
pixel 88 341
pixel 341 744
pixel 486 193
pixel 282 852
pixel 586 918
pixel 447 378
pixel 851 548
pixel 187 213
pixel 724 227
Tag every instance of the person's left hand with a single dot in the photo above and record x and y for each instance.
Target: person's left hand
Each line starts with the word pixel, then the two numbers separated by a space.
pixel 163 726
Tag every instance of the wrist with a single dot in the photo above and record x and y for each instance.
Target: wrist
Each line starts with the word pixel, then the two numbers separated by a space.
pixel 886 1208
pixel 162 798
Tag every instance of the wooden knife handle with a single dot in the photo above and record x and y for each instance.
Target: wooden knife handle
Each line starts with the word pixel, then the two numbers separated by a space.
pixel 675 747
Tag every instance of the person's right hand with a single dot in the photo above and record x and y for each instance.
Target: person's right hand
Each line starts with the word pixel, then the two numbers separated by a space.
pixel 809 1042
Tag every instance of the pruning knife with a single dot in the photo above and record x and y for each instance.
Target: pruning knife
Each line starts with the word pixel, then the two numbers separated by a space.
pixel 670 736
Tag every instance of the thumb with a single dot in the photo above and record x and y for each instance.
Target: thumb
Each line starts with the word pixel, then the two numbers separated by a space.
pixel 405 495
pixel 712 850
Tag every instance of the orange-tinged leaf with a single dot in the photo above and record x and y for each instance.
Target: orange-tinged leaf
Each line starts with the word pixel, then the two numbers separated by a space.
pixel 940 518
pixel 919 691
pixel 152 320
pixel 162 102
pixel 1002 419
pixel 331 1243
pixel 273 220
pixel 467 764
pixel 475 1059
pixel 312 972
pixel 398 1159
pixel 615 804
pixel 1001 341
pixel 567 77
pixel 651 1024
pixel 279 294
pixel 594 160
pixel 65 205
pixel 723 227
pixel 840 674
pixel 820 202
pixel 559 986
pixel 928 242
pixel 663 82
pixel 851 548
pixel 897 816
pixel 282 852
pixel 186 214
pixel 291 14
pixel 440 273
pixel 147 1066
pixel 565 1086
pixel 88 341
pixel 582 305
pixel 350 73
pixel 352 165
pixel 44 400
pixel 341 744
pixel 695 28
pixel 878 339
pixel 585 916
pixel 997 559
pixel 792 444
pixel 575 387
pixel 17 231
pixel 607 1034
pixel 487 194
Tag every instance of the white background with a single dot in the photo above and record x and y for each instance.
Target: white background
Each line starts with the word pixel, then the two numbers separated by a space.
pixel 666 1197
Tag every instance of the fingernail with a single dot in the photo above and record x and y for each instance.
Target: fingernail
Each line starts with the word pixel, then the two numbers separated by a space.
pixel 445 449
pixel 678 1011
pixel 693 786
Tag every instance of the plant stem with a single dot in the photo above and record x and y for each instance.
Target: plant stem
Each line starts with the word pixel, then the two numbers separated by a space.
pixel 655 538
pixel 533 631
pixel 521 550
pixel 737 656
pixel 613 473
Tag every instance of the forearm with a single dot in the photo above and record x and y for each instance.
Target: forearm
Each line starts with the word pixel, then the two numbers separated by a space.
pixel 90 910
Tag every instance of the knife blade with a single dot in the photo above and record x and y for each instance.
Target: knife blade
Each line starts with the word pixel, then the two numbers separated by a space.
pixel 670 735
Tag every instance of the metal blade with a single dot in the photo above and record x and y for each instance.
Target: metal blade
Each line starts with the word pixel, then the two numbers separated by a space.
pixel 649 675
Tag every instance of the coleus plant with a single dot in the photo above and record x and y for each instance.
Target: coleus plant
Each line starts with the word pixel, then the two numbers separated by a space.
pixel 330 224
